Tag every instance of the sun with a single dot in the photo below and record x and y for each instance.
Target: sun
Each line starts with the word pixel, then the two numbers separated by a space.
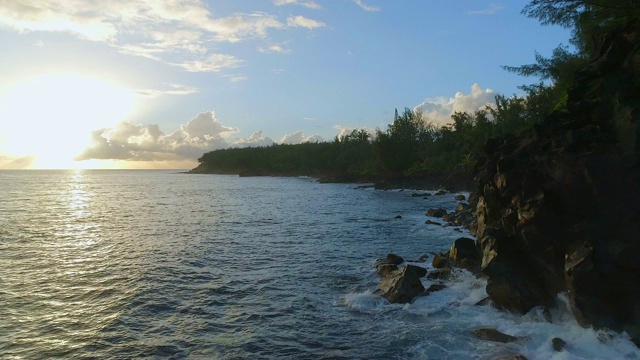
pixel 50 117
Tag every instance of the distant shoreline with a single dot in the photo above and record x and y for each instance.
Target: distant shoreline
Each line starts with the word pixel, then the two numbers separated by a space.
pixel 452 181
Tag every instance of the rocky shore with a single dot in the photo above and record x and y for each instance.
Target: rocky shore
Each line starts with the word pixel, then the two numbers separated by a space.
pixel 556 209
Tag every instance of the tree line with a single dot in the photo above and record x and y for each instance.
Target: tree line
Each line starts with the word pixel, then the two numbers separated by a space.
pixel 411 146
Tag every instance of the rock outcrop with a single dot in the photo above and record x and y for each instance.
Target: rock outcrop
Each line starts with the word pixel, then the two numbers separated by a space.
pixel 402 285
pixel 559 205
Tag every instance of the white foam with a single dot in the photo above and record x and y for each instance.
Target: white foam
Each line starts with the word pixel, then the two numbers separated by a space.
pixel 450 315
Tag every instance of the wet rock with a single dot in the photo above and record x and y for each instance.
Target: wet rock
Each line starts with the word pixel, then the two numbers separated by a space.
pixel 460 197
pixel 463 248
pixel 394 259
pixel 461 207
pixel 558 344
pixel 418 270
pixel 400 286
pixel 431 222
pixel 490 334
pixel 440 262
pixel 436 287
pixel 436 212
pixel 386 269
pixel 439 274
pixel 441 192
pixel 398 217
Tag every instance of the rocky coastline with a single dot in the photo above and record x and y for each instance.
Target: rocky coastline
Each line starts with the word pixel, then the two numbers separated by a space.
pixel 556 209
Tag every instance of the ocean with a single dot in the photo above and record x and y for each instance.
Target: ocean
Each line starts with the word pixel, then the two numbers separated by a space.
pixel 125 264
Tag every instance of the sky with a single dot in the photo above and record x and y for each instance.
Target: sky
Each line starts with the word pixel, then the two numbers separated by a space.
pixel 157 83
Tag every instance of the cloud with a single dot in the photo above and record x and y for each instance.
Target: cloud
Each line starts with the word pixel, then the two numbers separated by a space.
pixel 301 21
pixel 160 30
pixel 275 49
pixel 439 110
pixel 255 140
pixel 214 63
pixel 127 141
pixel 491 9
pixel 307 4
pixel 345 130
pixel 174 89
pixel 298 138
pixel 16 162
pixel 366 7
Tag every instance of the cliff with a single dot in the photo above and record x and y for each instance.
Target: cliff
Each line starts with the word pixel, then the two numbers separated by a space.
pixel 559 205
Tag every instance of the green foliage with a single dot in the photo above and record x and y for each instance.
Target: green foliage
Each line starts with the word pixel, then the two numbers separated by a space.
pixel 412 147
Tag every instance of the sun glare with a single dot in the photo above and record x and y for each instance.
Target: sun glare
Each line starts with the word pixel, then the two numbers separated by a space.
pixel 51 117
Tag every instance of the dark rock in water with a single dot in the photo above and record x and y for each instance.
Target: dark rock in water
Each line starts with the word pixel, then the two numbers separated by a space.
pixel 441 192
pixel 436 212
pixel 558 344
pixel 440 262
pixel 484 302
pixel 460 198
pixel 439 274
pixel 386 269
pixel 461 207
pixel 400 286
pixel 418 270
pixel 394 259
pixel 436 287
pixel 431 222
pixel 490 334
pixel 398 217
pixel 463 248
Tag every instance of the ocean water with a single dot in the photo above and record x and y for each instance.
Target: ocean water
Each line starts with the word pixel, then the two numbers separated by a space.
pixel 163 265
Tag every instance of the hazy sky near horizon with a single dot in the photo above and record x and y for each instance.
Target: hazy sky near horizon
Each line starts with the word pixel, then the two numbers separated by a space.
pixel 156 83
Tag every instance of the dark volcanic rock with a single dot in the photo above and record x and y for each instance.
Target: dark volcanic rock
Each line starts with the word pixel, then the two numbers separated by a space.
pixel 394 259
pixel 494 335
pixel 559 205
pixel 463 248
pixel 400 286
pixel 558 344
pixel 385 269
pixel 436 212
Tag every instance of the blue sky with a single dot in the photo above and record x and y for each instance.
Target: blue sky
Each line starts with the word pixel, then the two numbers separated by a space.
pixel 156 83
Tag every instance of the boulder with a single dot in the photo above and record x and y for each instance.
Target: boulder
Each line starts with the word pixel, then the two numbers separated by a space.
pixel 385 269
pixel 431 222
pixel 558 344
pixel 400 286
pixel 394 259
pixel 460 197
pixel 418 270
pixel 463 248
pixel 439 274
pixel 436 287
pixel 436 212
pixel 490 334
pixel 440 262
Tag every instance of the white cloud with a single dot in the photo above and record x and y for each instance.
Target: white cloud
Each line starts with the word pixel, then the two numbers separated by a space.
pixel 307 4
pixel 345 130
pixel 491 9
pixel 439 110
pixel 301 21
pixel 275 49
pixel 174 89
pixel 366 7
pixel 16 162
pixel 159 30
pixel 127 141
pixel 214 63
pixel 255 140
pixel 298 138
